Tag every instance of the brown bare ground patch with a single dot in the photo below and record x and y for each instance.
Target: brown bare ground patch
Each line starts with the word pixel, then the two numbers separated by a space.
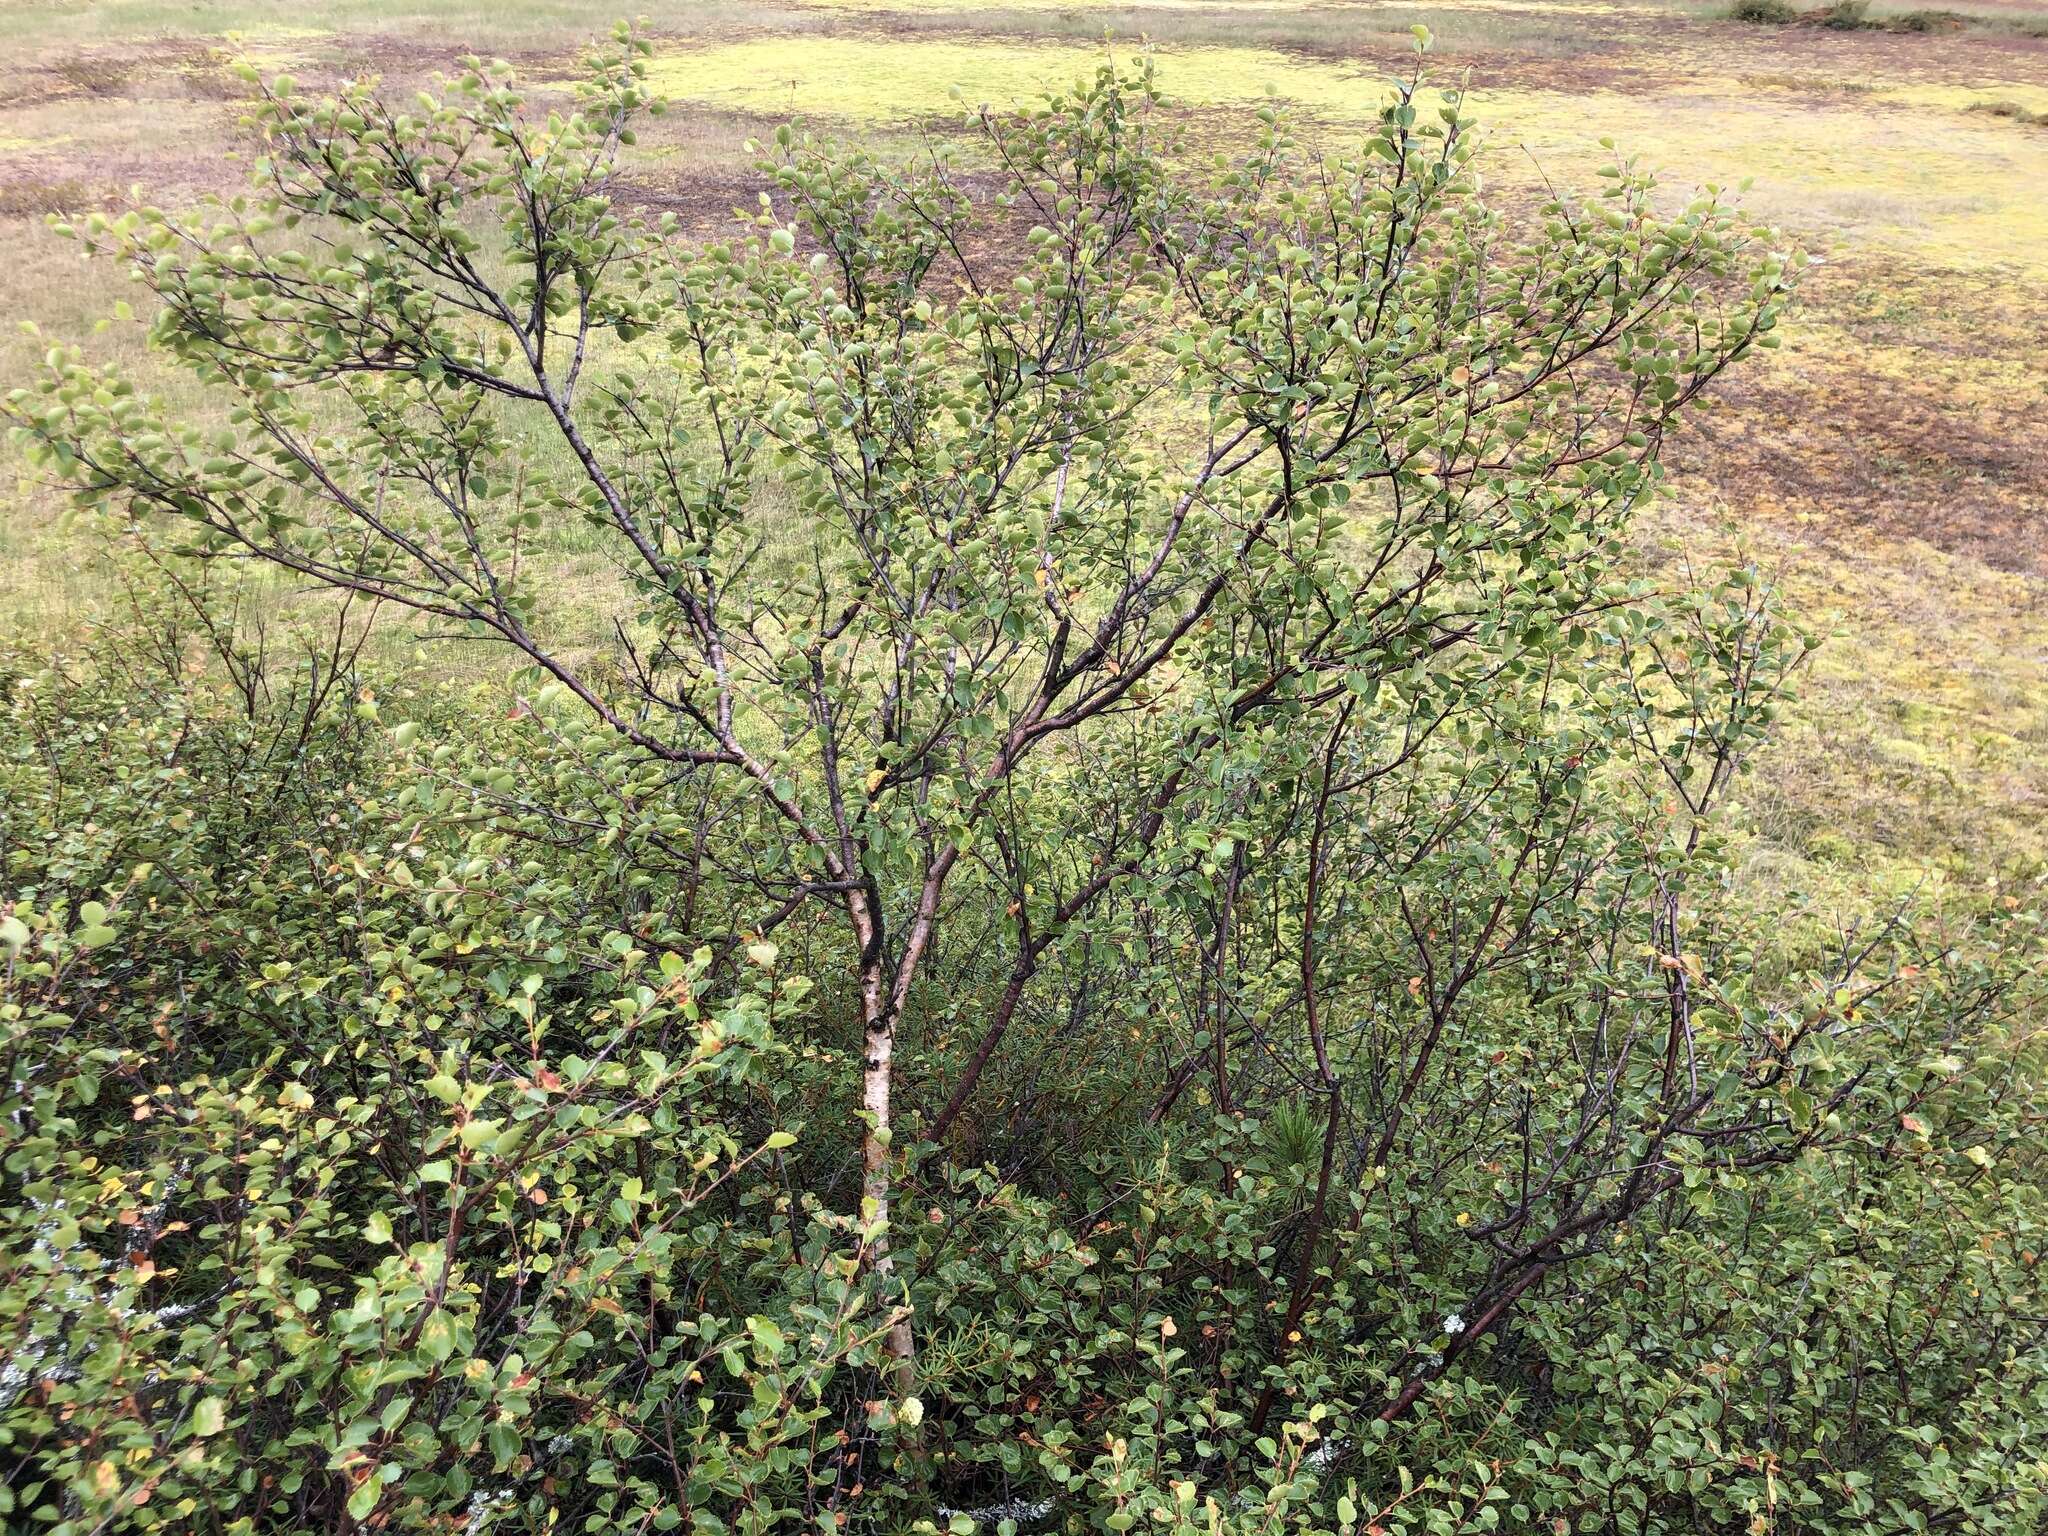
pixel 1891 439
pixel 29 197
pixel 1823 60
pixel 83 76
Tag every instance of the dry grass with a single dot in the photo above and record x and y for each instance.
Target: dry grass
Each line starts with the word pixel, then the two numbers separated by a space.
pixel 1880 16
pixel 1333 33
pixel 93 74
pixel 2008 109
pixel 31 199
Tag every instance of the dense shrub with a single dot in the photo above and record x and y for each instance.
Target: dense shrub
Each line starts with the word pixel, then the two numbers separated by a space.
pixel 345 1143
pixel 383 1159
pixel 1160 952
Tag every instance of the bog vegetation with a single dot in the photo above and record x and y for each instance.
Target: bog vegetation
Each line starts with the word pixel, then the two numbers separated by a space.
pixel 1129 934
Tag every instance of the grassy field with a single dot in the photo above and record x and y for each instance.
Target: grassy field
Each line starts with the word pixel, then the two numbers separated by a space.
pixel 1890 463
